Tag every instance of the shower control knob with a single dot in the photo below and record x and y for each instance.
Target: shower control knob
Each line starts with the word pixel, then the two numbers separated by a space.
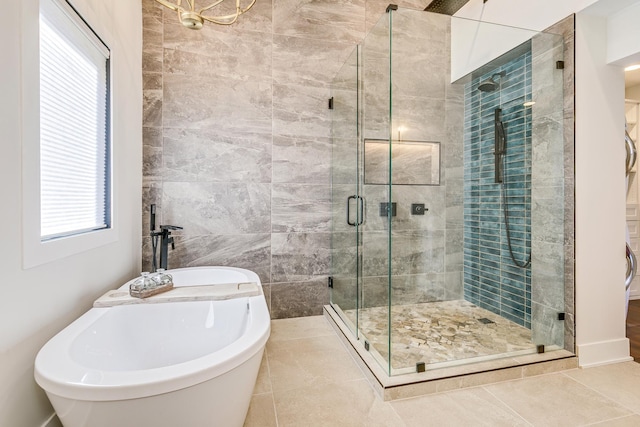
pixel 418 209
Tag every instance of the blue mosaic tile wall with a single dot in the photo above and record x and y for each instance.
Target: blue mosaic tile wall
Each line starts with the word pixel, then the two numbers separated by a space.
pixel 491 280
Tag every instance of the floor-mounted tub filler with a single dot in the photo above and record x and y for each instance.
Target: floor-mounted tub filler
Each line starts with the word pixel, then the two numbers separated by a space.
pixel 191 363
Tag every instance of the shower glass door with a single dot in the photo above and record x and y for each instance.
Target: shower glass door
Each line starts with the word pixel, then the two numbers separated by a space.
pixel 346 204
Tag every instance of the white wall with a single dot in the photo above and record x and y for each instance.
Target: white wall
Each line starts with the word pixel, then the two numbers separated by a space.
pixel 633 92
pixel 37 303
pixel 600 198
pixel 623 36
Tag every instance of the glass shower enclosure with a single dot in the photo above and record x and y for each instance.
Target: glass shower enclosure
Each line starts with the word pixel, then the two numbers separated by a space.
pixel 448 204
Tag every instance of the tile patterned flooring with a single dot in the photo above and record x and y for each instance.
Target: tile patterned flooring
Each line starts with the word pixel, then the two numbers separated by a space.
pixel 442 331
pixel 308 379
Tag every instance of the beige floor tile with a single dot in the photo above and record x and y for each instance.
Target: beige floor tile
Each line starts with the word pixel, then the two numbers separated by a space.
pixel 263 382
pixel 556 399
pixel 630 421
pixel 470 407
pixel 307 361
pixel 620 382
pixel 261 411
pixel 299 327
pixel 345 404
pixel 306 345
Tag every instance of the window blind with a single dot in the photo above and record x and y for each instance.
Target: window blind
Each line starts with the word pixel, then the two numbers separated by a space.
pixel 74 125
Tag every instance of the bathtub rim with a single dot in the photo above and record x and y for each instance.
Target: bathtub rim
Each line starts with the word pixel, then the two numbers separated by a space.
pixel 119 385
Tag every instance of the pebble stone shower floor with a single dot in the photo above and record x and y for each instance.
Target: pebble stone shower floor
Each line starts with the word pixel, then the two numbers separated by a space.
pixel 438 332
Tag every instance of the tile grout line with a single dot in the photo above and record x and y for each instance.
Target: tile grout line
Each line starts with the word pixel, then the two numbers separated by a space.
pixel 601 394
pixel 610 419
pixel 506 404
pixel 273 399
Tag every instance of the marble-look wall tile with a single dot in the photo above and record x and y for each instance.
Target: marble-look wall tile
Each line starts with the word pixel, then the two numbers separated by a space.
pixel 250 251
pixel 344 252
pixel 297 257
pixel 151 162
pixel 548 214
pixel 301 160
pixel 236 54
pixel 545 327
pixel 405 289
pixel 152 37
pixel 296 299
pixel 301 111
pixel 548 147
pixel 330 20
pixel 566 28
pixel 453 286
pixel 151 153
pixel 344 158
pixel 152 108
pixel 412 252
pixel 226 104
pixel 152 8
pixel 300 208
pixel 547 268
pixel 212 155
pixel 307 61
pixel 151 81
pixel 422 118
pixel 266 290
pixel 217 208
pixel 152 136
pixel 344 291
pixel 151 194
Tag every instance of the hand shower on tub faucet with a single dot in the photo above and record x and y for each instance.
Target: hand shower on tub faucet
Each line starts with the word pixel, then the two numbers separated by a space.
pixel 165 239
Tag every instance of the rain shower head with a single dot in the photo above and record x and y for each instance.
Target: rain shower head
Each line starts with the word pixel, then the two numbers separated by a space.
pixel 446 7
pixel 489 85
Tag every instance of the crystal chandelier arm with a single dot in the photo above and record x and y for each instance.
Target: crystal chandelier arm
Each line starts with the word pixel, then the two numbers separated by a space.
pixel 192 4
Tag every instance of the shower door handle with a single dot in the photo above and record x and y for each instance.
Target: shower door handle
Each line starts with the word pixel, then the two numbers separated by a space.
pixel 359 214
pixel 352 223
pixel 360 217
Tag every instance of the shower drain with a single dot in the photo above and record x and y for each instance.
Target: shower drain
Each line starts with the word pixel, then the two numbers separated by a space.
pixel 485 321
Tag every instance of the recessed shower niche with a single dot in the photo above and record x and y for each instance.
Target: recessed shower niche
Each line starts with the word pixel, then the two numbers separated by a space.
pixel 477 281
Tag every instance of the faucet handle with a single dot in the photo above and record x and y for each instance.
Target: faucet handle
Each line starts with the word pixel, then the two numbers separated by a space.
pixel 170 227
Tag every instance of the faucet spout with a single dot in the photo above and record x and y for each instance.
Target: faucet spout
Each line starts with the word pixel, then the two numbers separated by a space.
pixel 165 240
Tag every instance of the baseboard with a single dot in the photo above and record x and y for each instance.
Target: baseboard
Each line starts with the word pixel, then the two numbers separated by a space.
pixel 52 421
pixel 603 353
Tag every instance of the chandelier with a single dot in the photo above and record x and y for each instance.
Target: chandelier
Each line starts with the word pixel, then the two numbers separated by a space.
pixel 194 19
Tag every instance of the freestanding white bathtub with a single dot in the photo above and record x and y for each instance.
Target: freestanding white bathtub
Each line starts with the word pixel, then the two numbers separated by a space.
pixel 187 364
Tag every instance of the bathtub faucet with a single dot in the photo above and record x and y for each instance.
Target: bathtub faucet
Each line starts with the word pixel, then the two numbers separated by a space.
pixel 165 240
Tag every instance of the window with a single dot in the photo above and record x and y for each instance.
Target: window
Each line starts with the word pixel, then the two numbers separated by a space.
pixel 67 179
pixel 74 125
